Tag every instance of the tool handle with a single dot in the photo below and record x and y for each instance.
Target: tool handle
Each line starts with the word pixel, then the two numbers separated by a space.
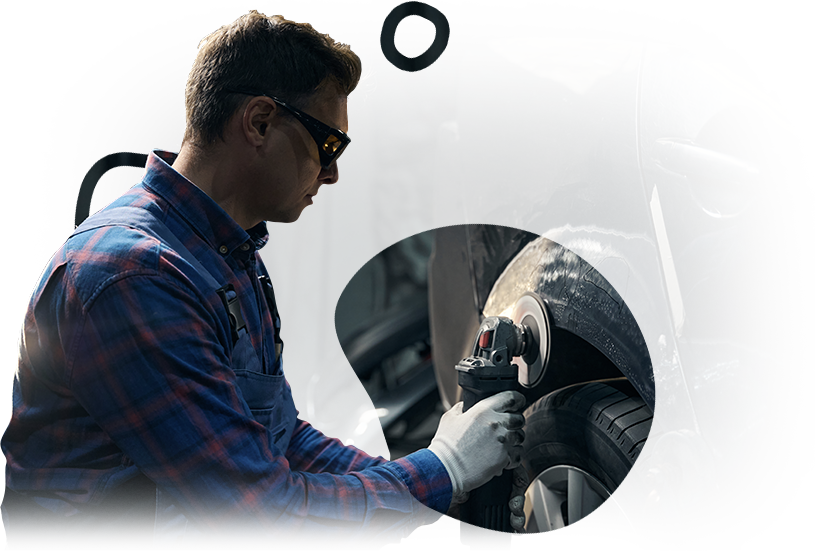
pixel 476 387
pixel 471 397
pixel 488 506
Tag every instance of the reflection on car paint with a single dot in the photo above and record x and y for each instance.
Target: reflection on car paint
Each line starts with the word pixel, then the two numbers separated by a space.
pixel 366 418
pixel 668 267
pixel 743 260
pixel 551 155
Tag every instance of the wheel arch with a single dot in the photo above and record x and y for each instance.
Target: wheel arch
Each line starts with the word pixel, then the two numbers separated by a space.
pixel 575 361
pixel 606 304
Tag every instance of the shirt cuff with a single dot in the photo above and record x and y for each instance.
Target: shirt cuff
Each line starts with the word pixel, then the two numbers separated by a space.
pixel 426 478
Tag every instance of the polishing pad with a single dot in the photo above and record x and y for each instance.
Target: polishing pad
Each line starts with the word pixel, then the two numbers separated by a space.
pixel 530 312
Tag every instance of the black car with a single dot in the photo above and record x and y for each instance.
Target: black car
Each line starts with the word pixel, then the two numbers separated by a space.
pixel 644 171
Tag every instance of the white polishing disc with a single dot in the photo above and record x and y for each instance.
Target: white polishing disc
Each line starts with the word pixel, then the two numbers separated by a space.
pixel 530 312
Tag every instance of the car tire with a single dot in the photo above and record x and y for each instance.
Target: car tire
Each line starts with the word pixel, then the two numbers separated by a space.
pixel 581 442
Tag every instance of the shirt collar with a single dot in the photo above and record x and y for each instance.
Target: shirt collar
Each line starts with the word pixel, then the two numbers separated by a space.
pixel 205 216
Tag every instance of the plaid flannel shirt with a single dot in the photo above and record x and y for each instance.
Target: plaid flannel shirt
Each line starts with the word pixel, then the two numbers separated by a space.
pixel 124 372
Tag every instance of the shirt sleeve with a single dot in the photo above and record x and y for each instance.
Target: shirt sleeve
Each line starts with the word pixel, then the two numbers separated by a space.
pixel 311 451
pixel 147 364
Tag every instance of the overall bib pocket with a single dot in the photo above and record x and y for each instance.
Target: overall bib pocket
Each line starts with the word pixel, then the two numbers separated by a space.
pixel 270 402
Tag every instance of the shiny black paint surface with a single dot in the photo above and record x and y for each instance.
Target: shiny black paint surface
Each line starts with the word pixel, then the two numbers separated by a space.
pixel 744 258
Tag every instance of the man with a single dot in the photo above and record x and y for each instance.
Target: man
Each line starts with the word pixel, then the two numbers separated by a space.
pixel 150 391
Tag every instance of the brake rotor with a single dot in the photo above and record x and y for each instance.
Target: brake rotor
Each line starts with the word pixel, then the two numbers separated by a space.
pixel 530 312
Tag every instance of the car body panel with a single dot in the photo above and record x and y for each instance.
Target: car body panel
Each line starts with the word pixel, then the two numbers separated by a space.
pixel 741 257
pixel 580 301
pixel 549 182
pixel 536 138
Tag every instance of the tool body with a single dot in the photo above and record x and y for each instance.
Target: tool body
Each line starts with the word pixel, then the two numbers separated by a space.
pixel 488 371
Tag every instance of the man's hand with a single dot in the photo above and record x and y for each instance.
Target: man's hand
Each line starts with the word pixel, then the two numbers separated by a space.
pixel 476 445
pixel 517 518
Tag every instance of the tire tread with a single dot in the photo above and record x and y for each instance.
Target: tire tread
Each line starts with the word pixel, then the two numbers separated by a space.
pixel 624 416
pixel 611 407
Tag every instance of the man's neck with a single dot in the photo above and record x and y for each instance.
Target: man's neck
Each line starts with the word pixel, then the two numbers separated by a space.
pixel 210 170
pixel 192 163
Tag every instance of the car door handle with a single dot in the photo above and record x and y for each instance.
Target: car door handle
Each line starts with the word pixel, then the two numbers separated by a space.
pixel 689 158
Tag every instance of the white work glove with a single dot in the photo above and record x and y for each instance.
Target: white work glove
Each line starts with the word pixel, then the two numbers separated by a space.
pixel 478 445
pixel 517 516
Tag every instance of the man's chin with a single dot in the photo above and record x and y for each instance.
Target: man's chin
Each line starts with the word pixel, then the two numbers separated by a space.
pixel 292 212
pixel 287 217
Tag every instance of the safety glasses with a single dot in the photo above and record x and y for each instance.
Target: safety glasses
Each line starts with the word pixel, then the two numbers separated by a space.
pixel 331 142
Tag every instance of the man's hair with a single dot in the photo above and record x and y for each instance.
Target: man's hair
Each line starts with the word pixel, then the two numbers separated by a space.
pixel 261 55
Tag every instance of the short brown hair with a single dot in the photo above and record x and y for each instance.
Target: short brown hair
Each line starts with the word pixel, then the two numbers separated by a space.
pixel 268 55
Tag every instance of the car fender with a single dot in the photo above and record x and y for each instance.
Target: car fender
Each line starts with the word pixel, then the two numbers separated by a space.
pixel 581 302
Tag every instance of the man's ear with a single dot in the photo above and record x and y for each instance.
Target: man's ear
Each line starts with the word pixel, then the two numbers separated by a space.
pixel 257 117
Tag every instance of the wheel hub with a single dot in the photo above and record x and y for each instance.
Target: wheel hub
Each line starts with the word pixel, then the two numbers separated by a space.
pixel 560 496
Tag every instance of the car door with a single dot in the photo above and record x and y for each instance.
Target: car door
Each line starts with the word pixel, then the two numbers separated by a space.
pixel 727 139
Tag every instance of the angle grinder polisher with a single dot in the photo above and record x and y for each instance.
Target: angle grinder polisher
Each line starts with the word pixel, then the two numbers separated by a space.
pixel 490 370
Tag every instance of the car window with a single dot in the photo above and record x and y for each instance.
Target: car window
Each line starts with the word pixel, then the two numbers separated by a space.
pixel 790 10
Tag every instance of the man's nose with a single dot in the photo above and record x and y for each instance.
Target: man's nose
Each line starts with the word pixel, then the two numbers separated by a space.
pixel 329 175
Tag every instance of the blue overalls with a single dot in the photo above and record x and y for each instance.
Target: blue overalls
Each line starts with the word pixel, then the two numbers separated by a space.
pixel 267 395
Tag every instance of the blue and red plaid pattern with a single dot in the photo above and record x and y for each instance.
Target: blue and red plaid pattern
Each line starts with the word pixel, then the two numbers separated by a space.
pixel 124 368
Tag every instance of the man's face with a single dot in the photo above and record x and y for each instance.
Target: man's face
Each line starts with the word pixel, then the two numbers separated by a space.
pixel 291 174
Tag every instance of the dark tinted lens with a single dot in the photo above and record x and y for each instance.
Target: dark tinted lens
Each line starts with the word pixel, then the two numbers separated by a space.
pixel 332 144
